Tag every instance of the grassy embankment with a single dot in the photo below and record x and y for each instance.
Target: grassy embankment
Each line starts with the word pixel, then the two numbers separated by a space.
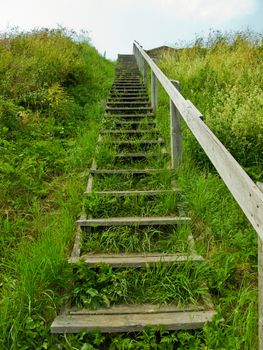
pixel 225 82
pixel 51 92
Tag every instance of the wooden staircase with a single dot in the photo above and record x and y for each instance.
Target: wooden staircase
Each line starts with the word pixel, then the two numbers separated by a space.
pixel 131 135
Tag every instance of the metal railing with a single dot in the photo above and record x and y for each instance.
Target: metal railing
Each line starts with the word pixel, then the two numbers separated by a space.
pixel 246 193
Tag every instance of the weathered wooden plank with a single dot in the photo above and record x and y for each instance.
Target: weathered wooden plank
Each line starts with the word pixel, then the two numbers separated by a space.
pixel 132 115
pixel 135 260
pixel 90 177
pixel 138 132
pixel 131 322
pixel 128 89
pixel 137 123
pixel 137 142
pixel 125 171
pixel 140 154
pixel 139 109
pixel 135 193
pixel 138 309
pixel 129 98
pixel 136 220
pixel 243 189
pixel 131 104
pixel 77 245
pixel 175 130
pixel 128 82
pixel 135 94
pixel 154 91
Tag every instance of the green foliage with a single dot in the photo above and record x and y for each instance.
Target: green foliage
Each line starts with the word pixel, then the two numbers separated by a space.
pixel 51 89
pixel 107 205
pixel 224 80
pixel 103 286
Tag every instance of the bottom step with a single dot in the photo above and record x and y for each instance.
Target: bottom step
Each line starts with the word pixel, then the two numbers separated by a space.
pixel 134 259
pixel 132 318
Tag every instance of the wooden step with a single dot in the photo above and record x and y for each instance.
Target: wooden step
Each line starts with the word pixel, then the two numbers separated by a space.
pixel 135 132
pixel 127 90
pixel 134 259
pixel 128 109
pixel 140 155
pixel 131 318
pixel 135 123
pixel 134 221
pixel 128 77
pixel 125 171
pixel 128 98
pixel 128 87
pixel 133 193
pixel 137 142
pixel 128 116
pixel 128 84
pixel 128 103
pixel 128 94
pixel 128 81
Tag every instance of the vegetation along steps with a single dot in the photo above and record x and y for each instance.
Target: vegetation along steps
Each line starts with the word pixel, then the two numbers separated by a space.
pixel 133 196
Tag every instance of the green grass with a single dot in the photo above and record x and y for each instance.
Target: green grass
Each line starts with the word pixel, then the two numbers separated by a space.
pixel 135 239
pixel 179 284
pixel 224 80
pixel 221 231
pixel 97 206
pixel 50 113
pixel 160 180
pixel 49 121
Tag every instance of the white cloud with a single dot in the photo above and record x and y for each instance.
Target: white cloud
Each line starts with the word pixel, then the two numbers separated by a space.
pixel 199 10
pixel 219 10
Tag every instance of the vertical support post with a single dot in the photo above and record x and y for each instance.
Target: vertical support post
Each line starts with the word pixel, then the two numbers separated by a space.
pixel 260 286
pixel 175 129
pixel 154 90
pixel 144 71
pixel 140 61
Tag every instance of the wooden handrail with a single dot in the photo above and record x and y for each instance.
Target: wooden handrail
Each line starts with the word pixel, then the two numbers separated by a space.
pixel 243 189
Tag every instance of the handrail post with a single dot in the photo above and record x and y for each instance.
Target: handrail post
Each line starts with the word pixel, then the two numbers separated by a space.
pixel 141 62
pixel 260 286
pixel 154 90
pixel 175 129
pixel 144 71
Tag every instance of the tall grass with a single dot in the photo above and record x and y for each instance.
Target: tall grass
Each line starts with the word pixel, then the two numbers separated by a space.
pixel 51 93
pixel 223 78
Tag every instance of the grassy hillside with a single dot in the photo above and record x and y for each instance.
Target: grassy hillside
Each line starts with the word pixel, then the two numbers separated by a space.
pixel 224 80
pixel 51 94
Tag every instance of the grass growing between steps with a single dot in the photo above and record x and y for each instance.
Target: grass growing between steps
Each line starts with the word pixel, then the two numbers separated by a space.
pixel 131 156
pixel 123 182
pixel 98 206
pixel 50 111
pixel 180 284
pixel 135 239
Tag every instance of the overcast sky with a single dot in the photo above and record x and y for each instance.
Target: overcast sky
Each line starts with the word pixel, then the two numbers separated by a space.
pixel 114 24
